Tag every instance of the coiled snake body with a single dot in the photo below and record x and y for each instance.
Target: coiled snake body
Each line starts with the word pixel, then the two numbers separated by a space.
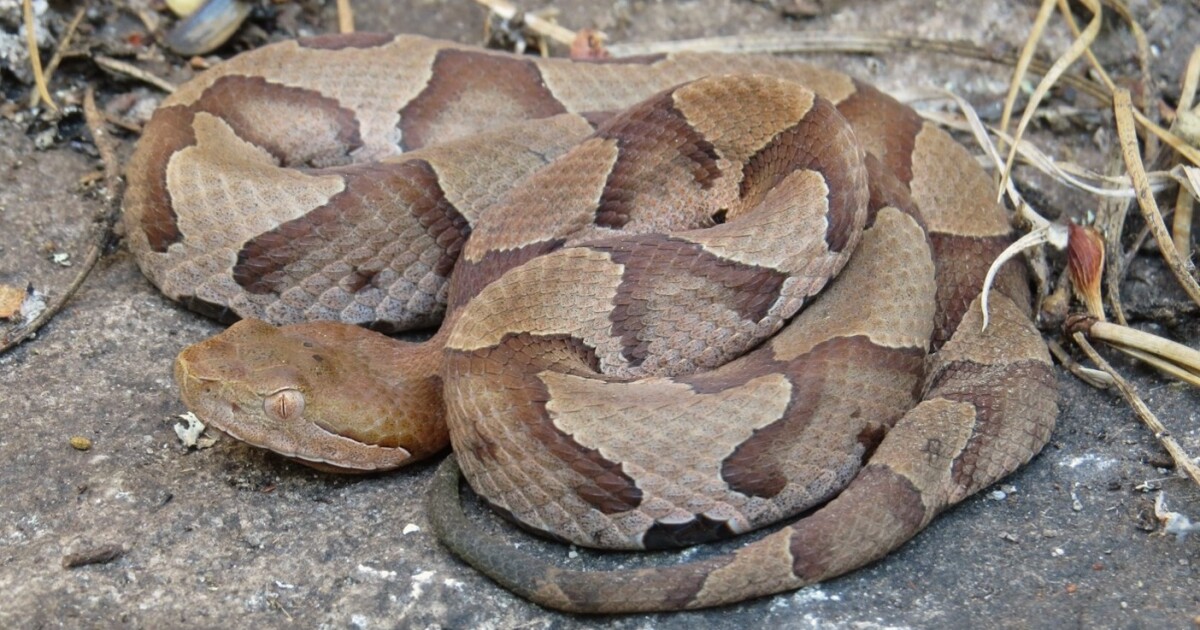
pixel 626 255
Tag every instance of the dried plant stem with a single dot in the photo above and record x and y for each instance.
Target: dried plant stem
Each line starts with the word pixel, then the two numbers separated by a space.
pixel 1022 65
pixel 1166 367
pixel 1123 109
pixel 1080 46
pixel 1134 338
pixel 541 26
pixel 1181 224
pixel 1110 220
pixel 1181 227
pixel 1149 86
pixel 35 58
pixel 1178 455
pixel 1096 378
pixel 101 224
pixel 1191 80
pixel 63 43
pixel 345 17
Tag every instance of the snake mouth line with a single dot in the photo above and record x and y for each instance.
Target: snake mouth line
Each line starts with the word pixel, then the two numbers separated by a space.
pixel 348 455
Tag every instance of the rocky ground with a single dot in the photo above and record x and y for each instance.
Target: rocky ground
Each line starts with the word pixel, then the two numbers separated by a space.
pixel 232 535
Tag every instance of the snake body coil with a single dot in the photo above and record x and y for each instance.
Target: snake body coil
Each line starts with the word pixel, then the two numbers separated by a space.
pixel 681 297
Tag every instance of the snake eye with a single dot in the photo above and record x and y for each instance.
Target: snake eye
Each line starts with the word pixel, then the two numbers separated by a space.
pixel 284 405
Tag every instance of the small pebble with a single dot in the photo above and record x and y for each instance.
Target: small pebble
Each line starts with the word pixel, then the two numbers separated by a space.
pixel 184 8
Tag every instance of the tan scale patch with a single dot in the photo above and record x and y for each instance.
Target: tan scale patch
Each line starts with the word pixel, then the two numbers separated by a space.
pixel 555 201
pixel 212 182
pixel 786 232
pixel 474 172
pixel 568 292
pixel 768 560
pixel 830 84
pixel 605 87
pixel 600 87
pixel 1009 338
pixel 384 80
pixel 651 427
pixel 717 109
pixel 923 445
pixel 954 194
pixel 885 293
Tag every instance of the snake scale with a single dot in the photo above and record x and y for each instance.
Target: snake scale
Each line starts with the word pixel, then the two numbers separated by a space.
pixel 681 297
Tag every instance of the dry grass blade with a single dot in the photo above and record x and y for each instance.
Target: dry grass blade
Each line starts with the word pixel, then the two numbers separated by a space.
pixel 1065 173
pixel 1027 51
pixel 1142 48
pixel 1178 455
pixel 63 43
pixel 345 17
pixel 1110 220
pixel 1140 41
pixel 1191 78
pixel 1123 109
pixel 1079 46
pixel 1181 225
pixel 1179 145
pixel 864 43
pixel 35 58
pixel 1175 142
pixel 120 67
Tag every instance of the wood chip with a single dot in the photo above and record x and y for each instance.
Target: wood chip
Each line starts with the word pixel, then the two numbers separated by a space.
pixel 11 299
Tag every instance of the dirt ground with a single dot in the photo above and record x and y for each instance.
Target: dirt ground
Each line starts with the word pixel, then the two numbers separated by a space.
pixel 232 535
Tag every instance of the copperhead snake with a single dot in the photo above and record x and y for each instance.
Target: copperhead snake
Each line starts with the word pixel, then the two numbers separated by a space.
pixel 620 252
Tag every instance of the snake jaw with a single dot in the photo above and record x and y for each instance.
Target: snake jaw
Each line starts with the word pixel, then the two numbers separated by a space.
pixel 337 453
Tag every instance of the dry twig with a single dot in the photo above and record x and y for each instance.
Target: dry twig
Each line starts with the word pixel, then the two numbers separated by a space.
pixel 1178 455
pixel 101 225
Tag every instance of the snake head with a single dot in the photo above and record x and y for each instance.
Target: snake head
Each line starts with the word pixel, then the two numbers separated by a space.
pixel 332 396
